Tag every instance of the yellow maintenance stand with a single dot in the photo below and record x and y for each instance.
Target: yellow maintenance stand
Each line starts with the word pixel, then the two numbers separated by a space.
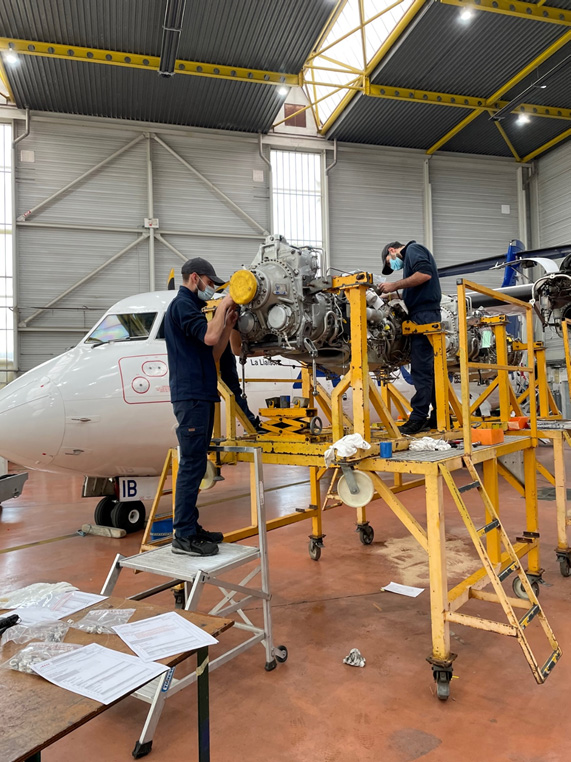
pixel 363 477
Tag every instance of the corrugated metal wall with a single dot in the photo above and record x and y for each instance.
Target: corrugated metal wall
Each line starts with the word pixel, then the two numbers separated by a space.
pixel 375 196
pixel 554 197
pixel 468 223
pixel 553 188
pixel 51 259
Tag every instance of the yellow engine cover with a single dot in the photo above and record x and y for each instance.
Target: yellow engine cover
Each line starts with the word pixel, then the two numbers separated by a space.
pixel 243 286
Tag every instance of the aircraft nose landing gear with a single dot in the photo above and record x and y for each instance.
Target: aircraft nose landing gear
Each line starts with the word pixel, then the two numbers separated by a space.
pixel 129 516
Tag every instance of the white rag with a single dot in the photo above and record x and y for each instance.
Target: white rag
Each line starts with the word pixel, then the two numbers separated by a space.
pixel 346 446
pixel 426 444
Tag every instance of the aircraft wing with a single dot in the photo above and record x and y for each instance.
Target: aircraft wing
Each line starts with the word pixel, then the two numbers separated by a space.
pixel 488 263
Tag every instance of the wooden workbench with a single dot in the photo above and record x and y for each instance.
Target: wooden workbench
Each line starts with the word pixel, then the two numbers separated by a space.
pixel 35 713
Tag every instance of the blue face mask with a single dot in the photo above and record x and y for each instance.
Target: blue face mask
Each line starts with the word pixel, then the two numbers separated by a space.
pixel 396 264
pixel 207 294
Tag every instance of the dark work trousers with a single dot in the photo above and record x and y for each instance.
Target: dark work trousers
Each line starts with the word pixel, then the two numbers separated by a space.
pixel 422 367
pixel 229 374
pixel 195 423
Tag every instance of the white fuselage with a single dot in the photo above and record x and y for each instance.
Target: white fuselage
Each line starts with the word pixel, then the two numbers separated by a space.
pixel 104 409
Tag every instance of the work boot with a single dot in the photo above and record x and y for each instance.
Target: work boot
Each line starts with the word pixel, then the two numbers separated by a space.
pixel 204 534
pixel 432 421
pixel 414 426
pixel 193 546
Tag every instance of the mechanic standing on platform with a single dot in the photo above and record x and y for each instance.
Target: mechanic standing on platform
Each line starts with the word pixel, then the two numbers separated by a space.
pixel 194 345
pixel 421 295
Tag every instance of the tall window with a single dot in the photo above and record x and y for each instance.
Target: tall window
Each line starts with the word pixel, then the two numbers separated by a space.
pixel 6 288
pixel 296 197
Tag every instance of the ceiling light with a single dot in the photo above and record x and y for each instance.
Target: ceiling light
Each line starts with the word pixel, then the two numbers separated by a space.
pixel 11 59
pixel 466 14
pixel 283 91
pixel 522 119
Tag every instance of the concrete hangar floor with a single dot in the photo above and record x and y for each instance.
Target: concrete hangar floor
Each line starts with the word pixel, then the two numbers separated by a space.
pixel 314 707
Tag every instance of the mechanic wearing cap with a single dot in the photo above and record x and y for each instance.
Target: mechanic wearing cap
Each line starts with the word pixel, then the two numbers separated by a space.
pixel 194 345
pixel 421 295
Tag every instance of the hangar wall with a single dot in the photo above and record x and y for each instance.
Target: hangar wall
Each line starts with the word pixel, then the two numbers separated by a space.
pixel 554 197
pixel 77 232
pixel 374 194
pixel 377 195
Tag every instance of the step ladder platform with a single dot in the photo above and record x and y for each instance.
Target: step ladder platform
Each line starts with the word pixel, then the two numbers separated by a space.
pixel 168 564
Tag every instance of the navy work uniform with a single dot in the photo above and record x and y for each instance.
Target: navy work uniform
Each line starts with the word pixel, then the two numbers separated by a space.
pixel 423 305
pixel 193 385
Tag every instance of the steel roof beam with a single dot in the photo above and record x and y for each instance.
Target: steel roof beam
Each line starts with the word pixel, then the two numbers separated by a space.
pixel 516 9
pixel 553 48
pixel 150 63
pixel 463 101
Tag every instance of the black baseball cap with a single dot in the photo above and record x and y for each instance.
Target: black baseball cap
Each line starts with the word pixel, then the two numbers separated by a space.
pixel 200 266
pixel 387 268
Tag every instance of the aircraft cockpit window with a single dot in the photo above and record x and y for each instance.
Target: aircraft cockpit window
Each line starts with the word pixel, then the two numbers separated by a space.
pixel 161 331
pixel 129 327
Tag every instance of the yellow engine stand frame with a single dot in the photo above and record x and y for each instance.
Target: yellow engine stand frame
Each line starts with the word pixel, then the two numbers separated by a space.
pixel 432 471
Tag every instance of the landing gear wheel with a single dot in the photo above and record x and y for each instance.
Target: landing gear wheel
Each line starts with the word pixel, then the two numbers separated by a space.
pixel 442 679
pixel 565 567
pixel 519 589
pixel 129 516
pixel 366 534
pixel 315 426
pixel 314 550
pixel 282 658
pixel 103 509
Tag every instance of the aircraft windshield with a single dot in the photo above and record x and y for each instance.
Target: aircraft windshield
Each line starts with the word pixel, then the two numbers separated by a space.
pixel 132 327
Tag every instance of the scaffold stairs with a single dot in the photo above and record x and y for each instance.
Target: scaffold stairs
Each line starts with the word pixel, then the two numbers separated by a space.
pixel 515 626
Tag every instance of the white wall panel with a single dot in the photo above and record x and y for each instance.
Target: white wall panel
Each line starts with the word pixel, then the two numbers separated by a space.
pixel 554 197
pixel 375 197
pixel 553 186
pixel 468 223
pixel 50 260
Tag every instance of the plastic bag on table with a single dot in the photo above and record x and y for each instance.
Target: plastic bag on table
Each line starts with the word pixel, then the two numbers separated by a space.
pixel 46 632
pixel 102 621
pixel 36 653
pixel 38 594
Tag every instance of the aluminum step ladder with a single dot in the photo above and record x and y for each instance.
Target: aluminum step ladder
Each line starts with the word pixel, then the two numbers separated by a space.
pixel 515 626
pixel 195 573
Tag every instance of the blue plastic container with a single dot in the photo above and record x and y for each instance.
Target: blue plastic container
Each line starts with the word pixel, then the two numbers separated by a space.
pixel 161 529
pixel 386 450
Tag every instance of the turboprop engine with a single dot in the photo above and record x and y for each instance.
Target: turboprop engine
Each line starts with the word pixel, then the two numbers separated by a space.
pixel 552 295
pixel 288 308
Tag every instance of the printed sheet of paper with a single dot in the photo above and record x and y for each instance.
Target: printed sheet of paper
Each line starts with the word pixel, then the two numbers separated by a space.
pixel 98 673
pixel 69 603
pixel 32 615
pixel 162 636
pixel 57 607
pixel 394 587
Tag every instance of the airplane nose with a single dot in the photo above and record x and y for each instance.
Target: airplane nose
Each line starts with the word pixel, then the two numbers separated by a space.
pixel 32 421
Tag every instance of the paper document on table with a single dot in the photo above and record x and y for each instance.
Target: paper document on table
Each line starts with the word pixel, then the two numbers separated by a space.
pixel 69 603
pixel 32 615
pixel 56 607
pixel 98 673
pixel 394 587
pixel 162 636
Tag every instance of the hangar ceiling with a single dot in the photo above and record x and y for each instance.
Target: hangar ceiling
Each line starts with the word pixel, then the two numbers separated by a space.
pixel 424 74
